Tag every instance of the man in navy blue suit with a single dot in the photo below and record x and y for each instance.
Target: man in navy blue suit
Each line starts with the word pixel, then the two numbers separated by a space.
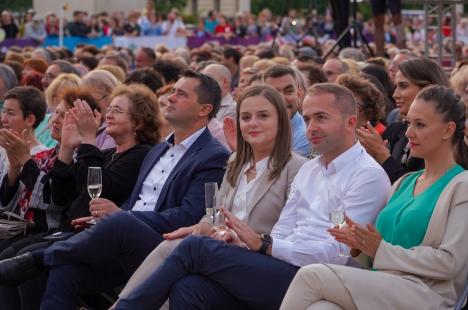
pixel 168 194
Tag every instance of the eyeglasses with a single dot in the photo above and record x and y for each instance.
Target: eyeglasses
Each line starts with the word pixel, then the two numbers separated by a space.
pixel 102 98
pixel 116 111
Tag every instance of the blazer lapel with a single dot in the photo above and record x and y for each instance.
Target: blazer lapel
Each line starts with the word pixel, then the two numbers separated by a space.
pixel 187 157
pixel 158 152
pixel 228 199
pixel 261 187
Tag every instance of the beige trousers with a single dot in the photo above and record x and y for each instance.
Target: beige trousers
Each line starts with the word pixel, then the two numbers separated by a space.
pixel 317 287
pixel 150 264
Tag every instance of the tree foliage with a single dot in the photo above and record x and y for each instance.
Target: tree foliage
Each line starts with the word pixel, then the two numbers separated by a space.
pixel 15 5
pixel 164 6
pixel 281 7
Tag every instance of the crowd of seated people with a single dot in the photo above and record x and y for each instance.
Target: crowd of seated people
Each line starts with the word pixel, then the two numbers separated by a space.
pixel 289 141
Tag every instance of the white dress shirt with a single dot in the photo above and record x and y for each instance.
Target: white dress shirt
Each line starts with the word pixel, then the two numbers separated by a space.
pixel 300 236
pixel 4 163
pixel 244 190
pixel 157 177
pixel 170 29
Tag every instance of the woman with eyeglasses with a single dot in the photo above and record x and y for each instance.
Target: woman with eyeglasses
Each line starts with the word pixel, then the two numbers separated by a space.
pixel 29 193
pixel 133 121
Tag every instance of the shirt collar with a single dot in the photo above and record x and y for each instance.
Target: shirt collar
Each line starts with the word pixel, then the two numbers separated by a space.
pixel 260 166
pixel 343 160
pixel 227 100
pixel 187 142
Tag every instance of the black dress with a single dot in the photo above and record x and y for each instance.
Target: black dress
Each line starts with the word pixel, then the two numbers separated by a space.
pixel 394 166
pixel 119 174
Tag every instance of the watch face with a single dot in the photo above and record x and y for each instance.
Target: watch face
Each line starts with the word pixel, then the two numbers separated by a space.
pixel 266 238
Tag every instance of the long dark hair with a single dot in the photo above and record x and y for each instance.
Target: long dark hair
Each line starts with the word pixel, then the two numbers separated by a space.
pixel 423 72
pixel 452 109
pixel 281 151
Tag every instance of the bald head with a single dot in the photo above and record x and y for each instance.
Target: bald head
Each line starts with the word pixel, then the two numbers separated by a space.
pixel 333 68
pixel 221 74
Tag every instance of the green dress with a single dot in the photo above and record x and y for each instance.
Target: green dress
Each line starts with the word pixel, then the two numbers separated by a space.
pixel 405 219
pixel 42 133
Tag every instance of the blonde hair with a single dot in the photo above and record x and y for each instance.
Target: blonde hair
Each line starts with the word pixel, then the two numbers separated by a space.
pixel 459 81
pixel 352 65
pixel 281 60
pixel 248 61
pixel 263 64
pixel 116 71
pixel 100 79
pixel 64 80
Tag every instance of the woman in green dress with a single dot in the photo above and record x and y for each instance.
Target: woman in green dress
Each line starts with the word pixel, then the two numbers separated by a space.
pixel 419 246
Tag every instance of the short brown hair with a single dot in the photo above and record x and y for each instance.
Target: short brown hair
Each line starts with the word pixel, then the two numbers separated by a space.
pixel 314 73
pixel 344 98
pixel 144 109
pixel 31 102
pixel 70 94
pixel 373 100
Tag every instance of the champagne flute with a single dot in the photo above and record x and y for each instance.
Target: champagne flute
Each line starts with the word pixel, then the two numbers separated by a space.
pixel 336 212
pixel 211 191
pixel 338 218
pixel 94 185
pixel 219 225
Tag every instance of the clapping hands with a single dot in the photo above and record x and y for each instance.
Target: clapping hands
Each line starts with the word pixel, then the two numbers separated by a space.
pixel 17 146
pixel 358 238
pixel 87 122
pixel 373 142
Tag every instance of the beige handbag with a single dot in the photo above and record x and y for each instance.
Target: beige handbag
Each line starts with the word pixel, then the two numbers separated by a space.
pixel 12 224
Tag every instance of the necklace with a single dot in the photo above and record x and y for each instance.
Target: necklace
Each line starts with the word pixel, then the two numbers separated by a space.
pixel 252 170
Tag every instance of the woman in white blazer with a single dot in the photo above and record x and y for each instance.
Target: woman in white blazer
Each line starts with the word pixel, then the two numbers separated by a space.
pixel 420 244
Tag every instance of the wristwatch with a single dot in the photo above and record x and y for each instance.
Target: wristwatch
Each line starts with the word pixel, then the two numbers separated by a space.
pixel 266 241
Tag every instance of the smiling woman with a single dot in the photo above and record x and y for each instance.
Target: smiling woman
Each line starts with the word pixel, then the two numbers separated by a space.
pixel 133 122
pixel 258 177
pixel 412 76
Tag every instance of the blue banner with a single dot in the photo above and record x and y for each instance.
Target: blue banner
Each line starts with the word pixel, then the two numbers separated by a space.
pixel 71 42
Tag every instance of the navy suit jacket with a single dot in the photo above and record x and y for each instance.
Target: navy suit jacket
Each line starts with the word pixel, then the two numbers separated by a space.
pixel 181 202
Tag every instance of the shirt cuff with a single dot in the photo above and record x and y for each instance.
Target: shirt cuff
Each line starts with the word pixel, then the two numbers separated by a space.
pixel 282 250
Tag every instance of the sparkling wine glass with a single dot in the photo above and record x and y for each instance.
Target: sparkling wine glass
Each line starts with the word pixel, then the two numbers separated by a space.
pixel 211 191
pixel 219 227
pixel 94 185
pixel 336 211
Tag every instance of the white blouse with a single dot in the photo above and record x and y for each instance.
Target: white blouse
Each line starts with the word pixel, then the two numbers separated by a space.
pixel 245 189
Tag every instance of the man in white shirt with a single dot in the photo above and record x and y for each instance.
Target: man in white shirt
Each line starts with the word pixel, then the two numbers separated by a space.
pixel 173 26
pixel 207 273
